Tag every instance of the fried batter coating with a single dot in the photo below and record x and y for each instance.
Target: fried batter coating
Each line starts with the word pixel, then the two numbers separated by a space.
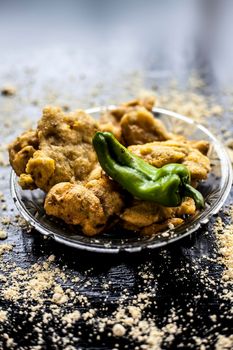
pixel 108 193
pixel 186 208
pixel 202 146
pixel 64 150
pixel 156 228
pixel 139 126
pixel 22 149
pixel 89 205
pixel 144 213
pixel 26 182
pixel 161 153
pixel 110 120
pixel 75 205
pixel 133 123
pixel 41 169
pixel 147 101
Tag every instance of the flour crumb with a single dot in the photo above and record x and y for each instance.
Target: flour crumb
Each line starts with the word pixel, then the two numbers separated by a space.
pixel 118 330
pixel 59 297
pixel 5 248
pixel 8 90
pixel 224 343
pixel 3 234
pixel 71 318
pixel 3 316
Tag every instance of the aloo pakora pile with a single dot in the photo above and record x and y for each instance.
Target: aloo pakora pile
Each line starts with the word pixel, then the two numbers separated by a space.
pixel 61 158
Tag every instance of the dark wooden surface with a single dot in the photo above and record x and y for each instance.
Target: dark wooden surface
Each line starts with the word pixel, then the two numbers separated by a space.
pixel 106 53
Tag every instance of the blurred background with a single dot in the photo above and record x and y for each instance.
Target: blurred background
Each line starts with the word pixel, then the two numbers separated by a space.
pixel 99 38
pixel 81 53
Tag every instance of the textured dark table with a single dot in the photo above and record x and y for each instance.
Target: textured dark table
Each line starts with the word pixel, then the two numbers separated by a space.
pixel 82 55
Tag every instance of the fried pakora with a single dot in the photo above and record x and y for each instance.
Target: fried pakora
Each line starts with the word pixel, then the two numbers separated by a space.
pixel 111 119
pixel 60 150
pixel 89 205
pixel 184 152
pixel 58 157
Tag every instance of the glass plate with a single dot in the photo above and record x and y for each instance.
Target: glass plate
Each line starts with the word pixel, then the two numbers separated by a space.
pixel 215 190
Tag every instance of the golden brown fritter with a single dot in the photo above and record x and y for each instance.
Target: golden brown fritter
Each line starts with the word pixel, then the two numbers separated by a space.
pixel 89 205
pixel 186 208
pixel 109 194
pixel 147 217
pixel 75 205
pixel 64 150
pixel 22 149
pixel 161 153
pixel 139 126
pixel 144 213
pixel 133 123
pixel 147 101
pixel 26 182
pixel 160 227
pixel 171 217
pixel 110 120
pixel 202 146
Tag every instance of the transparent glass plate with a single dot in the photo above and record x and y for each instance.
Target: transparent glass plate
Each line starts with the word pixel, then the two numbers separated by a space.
pixel 215 190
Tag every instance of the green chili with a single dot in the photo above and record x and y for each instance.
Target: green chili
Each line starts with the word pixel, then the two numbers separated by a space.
pixel 167 185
